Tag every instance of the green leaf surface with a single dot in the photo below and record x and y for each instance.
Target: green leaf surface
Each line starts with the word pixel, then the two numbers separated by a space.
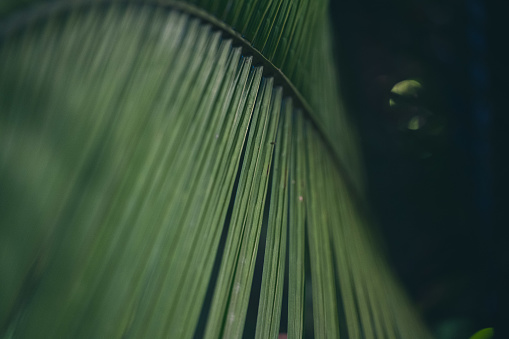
pixel 145 146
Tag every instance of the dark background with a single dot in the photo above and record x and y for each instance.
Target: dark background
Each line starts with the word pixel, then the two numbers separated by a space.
pixel 438 192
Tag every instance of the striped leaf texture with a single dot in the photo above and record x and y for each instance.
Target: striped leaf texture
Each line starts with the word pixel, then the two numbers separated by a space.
pixel 168 169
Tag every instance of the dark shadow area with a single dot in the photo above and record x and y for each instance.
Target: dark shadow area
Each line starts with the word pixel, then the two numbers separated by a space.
pixel 432 158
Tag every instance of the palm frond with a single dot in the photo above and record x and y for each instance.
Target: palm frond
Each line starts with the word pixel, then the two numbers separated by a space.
pixel 138 136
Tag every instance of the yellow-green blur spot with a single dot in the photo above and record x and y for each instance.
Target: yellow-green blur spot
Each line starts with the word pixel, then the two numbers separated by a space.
pixel 415 123
pixel 486 333
pixel 407 88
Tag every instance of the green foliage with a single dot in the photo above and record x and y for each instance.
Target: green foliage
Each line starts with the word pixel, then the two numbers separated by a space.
pixel 133 136
pixel 486 333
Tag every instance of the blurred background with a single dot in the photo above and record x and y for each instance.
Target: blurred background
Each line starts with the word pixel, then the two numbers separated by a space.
pixel 424 81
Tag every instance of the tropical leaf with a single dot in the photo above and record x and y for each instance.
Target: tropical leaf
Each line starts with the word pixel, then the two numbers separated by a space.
pixel 151 149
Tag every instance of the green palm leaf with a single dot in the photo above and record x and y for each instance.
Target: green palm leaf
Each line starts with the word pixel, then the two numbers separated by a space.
pixel 143 143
